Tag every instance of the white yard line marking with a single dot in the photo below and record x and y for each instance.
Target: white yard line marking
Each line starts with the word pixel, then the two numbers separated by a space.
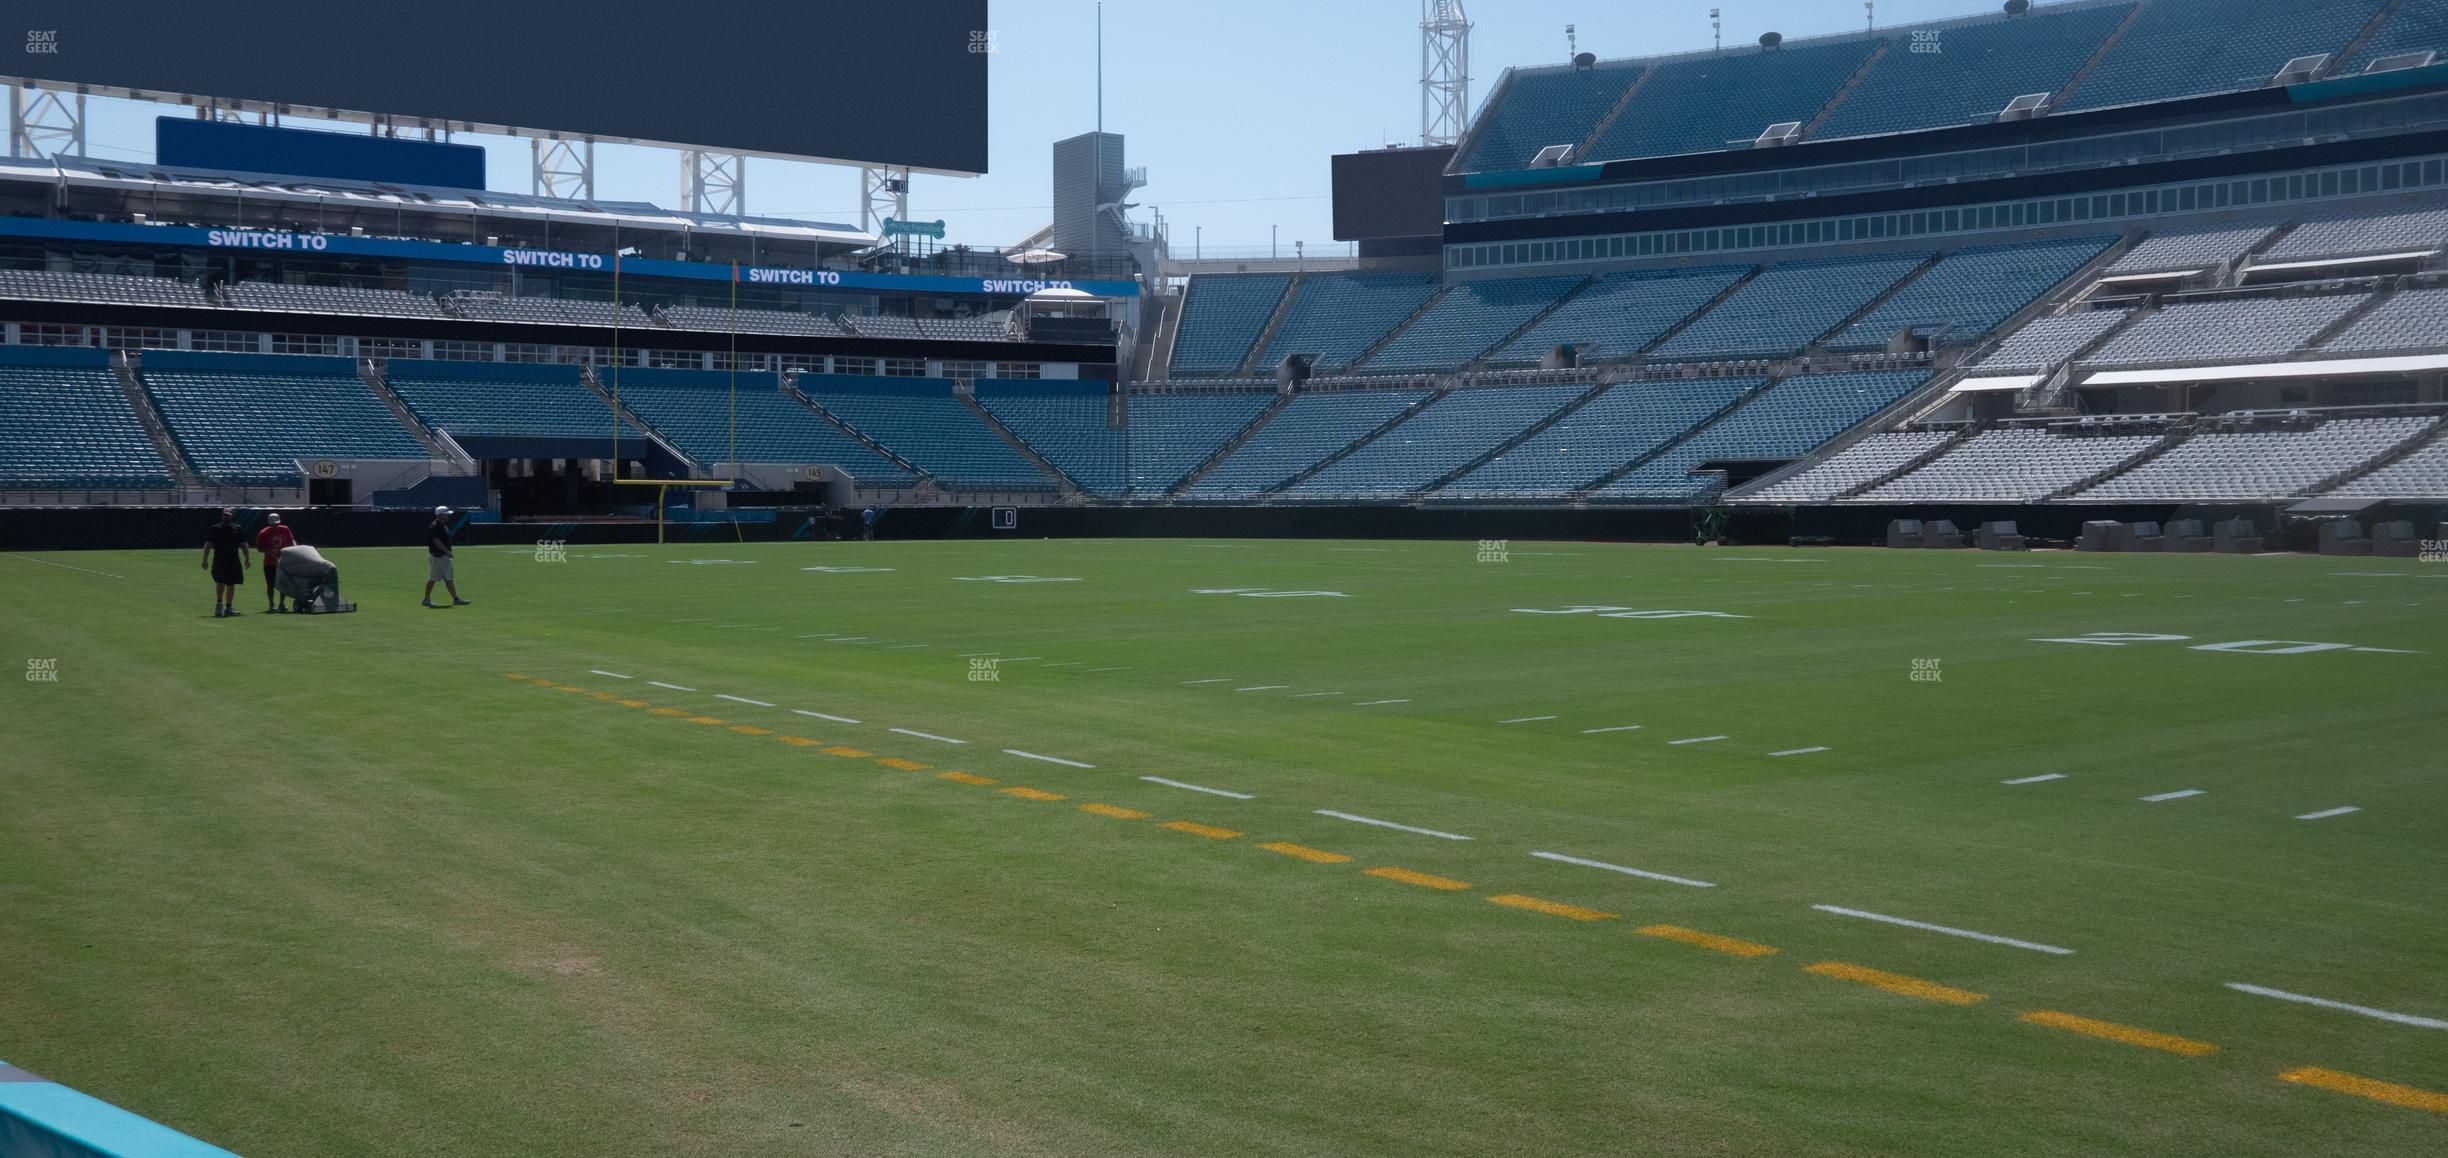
pixel 904 646
pixel 2035 779
pixel 1047 759
pixel 1526 719
pixel 2326 813
pixel 742 700
pixel 1264 688
pixel 846 639
pixel 822 716
pixel 1105 669
pixel 1616 728
pixel 613 674
pixel 1018 658
pixel 62 566
pixel 1374 703
pixel 2179 794
pixel 926 736
pixel 1306 695
pixel 674 687
pixel 1696 740
pixel 1068 663
pixel 1630 872
pixel 971 654
pixel 1391 824
pixel 818 635
pixel 1799 751
pixel 1949 930
pixel 1218 680
pixel 1197 788
pixel 2325 1003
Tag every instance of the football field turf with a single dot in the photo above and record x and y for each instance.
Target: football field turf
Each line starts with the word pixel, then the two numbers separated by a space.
pixel 1206 847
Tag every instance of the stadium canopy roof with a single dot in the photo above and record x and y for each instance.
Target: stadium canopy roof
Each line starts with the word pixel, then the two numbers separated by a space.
pixel 1997 382
pixel 2263 371
pixel 145 178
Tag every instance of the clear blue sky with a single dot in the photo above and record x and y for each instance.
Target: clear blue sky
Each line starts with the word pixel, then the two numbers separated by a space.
pixel 1233 107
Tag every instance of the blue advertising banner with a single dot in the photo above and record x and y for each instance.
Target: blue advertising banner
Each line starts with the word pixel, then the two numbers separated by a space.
pixel 551 259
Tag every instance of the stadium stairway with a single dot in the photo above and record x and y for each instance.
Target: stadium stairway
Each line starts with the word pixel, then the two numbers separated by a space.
pixel 1561 299
pixel 2354 48
pixel 1878 299
pixel 1274 322
pixel 2099 54
pixel 181 472
pixel 1688 320
pixel 1231 445
pixel 1362 358
pixel 2177 433
pixel 1598 131
pixel 793 392
pixel 1524 435
pixel 1299 476
pixel 2410 446
pixel 1844 90
pixel 1962 435
pixel 2371 301
pixel 2050 397
pixel 1071 491
pixel 1693 431
pixel 437 444
pixel 622 410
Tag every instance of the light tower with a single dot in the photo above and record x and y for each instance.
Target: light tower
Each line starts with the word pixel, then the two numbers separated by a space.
pixel 1444 71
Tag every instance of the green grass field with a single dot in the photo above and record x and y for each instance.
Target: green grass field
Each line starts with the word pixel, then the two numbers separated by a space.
pixel 428 882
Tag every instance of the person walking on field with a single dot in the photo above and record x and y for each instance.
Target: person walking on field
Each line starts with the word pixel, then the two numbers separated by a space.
pixel 225 556
pixel 438 560
pixel 273 539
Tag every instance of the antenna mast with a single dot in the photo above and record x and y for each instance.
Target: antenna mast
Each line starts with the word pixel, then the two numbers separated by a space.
pixel 1444 71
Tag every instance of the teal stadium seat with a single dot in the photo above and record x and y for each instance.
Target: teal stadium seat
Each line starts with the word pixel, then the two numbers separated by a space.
pixel 65 424
pixel 247 419
pixel 919 420
pixel 700 412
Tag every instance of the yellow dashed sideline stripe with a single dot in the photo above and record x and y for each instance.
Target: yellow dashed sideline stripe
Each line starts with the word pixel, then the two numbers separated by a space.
pixel 1304 852
pixel 633 703
pixel 1113 810
pixel 964 778
pixel 703 720
pixel 1551 908
pixel 2111 1031
pixel 798 741
pixel 1027 793
pixel 1423 880
pixel 1732 945
pixel 511 675
pixel 1209 831
pixel 751 730
pixel 669 712
pixel 904 765
pixel 1896 983
pixel 2362 1087
pixel 852 753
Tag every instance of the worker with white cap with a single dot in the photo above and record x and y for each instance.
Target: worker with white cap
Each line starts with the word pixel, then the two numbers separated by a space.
pixel 439 560
pixel 271 541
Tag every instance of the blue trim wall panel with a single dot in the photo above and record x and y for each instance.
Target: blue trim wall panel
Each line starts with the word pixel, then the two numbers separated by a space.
pixel 187 143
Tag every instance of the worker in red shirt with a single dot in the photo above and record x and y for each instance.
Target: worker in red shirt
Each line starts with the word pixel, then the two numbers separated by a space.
pixel 274 538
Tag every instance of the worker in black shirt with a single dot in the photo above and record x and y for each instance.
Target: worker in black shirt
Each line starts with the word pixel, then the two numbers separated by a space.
pixel 438 561
pixel 225 557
